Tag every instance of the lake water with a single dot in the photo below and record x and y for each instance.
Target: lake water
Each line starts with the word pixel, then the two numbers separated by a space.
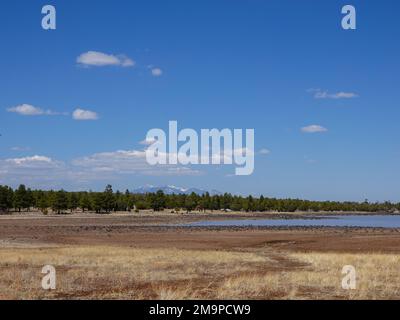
pixel 331 221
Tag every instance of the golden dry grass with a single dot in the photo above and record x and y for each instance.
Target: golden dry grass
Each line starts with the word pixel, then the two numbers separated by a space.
pixel 116 272
pixel 378 277
pixel 135 273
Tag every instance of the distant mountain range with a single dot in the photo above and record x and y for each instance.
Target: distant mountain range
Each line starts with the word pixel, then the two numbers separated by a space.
pixel 173 190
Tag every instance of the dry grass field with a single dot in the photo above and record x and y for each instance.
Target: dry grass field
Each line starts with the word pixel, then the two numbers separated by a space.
pixel 131 273
pixel 106 258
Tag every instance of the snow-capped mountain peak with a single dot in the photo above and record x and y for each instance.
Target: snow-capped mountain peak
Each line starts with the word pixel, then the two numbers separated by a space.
pixel 171 189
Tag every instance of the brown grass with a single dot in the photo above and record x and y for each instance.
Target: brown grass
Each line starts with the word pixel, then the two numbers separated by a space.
pixel 101 272
pixel 377 278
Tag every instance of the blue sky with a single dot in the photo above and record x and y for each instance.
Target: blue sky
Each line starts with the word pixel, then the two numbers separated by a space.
pixel 207 64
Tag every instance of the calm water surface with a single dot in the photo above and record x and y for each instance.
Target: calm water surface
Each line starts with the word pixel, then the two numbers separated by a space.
pixel 331 221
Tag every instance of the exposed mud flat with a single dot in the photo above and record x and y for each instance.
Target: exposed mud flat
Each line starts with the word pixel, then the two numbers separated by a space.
pixel 153 231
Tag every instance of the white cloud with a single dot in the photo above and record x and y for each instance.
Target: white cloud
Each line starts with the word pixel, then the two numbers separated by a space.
pixel 26 110
pixel 80 114
pixel 33 162
pixel 313 129
pixel 29 167
pixel 16 148
pixel 224 156
pixel 324 94
pixel 37 170
pixel 43 171
pixel 99 59
pixel 129 162
pixel 242 151
pixel 156 72
pixel 344 95
pixel 148 142
pixel 29 110
pixel 32 159
pixel 264 151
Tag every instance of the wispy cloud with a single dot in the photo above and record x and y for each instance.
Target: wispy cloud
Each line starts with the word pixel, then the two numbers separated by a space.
pixel 100 59
pixel 156 72
pixel 324 94
pixel 37 170
pixel 264 151
pixel 17 148
pixel 314 128
pixel 129 162
pixel 148 142
pixel 31 161
pixel 41 170
pixel 29 110
pixel 82 115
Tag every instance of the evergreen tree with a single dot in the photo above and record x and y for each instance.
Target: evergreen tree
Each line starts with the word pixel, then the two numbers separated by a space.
pixel 73 201
pixel 21 198
pixel 191 203
pixel 85 202
pixel 98 202
pixel 109 200
pixel 42 201
pixel 157 200
pixel 60 203
pixel 6 198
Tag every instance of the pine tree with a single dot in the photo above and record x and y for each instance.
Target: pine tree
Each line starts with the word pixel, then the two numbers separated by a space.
pixel 85 202
pixel 109 200
pixel 6 198
pixel 73 201
pixel 60 202
pixel 20 198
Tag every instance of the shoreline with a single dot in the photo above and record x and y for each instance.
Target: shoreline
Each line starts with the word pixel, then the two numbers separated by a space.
pixel 137 257
pixel 216 214
pixel 143 231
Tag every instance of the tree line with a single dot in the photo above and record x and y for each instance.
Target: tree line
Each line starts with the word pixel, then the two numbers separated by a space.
pixel 24 199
